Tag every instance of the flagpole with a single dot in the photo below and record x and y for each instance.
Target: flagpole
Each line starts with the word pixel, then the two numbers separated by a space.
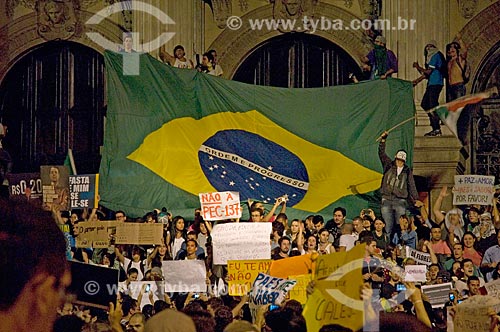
pixel 396 126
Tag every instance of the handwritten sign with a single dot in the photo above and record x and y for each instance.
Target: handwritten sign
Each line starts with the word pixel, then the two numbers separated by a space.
pixel 243 273
pixel 25 187
pixel 335 299
pixel 472 314
pixel 420 257
pixel 493 288
pixel 299 292
pixel 220 205
pixel 134 233
pixel 177 280
pixel 473 189
pixel 267 289
pixel 241 241
pixel 415 273
pixel 83 190
pixel 95 234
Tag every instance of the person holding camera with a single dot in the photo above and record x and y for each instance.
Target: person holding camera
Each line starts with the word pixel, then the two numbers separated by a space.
pixel 398 187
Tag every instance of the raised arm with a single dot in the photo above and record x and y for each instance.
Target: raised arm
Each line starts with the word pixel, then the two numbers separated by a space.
pixel 436 208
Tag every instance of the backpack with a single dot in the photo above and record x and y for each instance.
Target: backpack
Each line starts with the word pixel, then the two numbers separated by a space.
pixel 465 71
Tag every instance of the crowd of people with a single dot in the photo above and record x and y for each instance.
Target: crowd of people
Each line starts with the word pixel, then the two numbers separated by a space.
pixel 463 244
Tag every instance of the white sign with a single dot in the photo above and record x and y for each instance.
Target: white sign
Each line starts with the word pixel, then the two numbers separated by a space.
pixel 270 290
pixel 438 294
pixel 220 205
pixel 473 189
pixel 177 280
pixel 415 273
pixel 420 257
pixel 241 241
pixel 472 314
pixel 493 288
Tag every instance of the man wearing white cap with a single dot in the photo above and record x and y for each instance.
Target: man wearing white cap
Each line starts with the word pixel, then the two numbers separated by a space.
pixel 398 186
pixel 381 62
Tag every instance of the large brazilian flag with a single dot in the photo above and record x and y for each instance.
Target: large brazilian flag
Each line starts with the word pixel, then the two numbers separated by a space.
pixel 173 133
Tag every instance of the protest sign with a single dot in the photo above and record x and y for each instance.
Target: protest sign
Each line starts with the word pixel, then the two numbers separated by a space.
pixel 472 314
pixel 335 299
pixel 25 187
pixel 177 280
pixel 267 289
pixel 241 241
pixel 242 274
pixel 134 233
pixel 415 273
pixel 493 288
pixel 297 265
pixel 93 285
pixel 83 190
pixel 420 257
pixel 473 189
pixel 438 294
pixel 299 292
pixel 95 234
pixel 55 187
pixel 220 205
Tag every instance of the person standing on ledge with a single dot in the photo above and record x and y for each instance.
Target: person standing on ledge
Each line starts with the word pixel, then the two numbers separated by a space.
pixel 398 186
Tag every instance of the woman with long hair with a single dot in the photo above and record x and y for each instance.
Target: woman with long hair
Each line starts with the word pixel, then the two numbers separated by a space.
pixel 177 236
pixel 470 252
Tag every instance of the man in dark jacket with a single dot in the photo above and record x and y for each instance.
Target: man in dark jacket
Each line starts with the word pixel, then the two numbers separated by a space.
pixel 398 186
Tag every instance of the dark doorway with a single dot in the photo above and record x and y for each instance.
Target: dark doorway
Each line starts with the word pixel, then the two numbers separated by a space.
pixel 51 100
pixel 297 60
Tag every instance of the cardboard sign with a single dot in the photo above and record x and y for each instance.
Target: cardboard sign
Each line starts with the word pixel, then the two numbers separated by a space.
pixel 83 191
pixel 135 233
pixel 55 187
pixel 438 294
pixel 177 280
pixel 270 290
pixel 493 288
pixel 241 241
pixel 243 273
pixel 96 234
pixel 415 273
pixel 26 187
pixel 422 258
pixel 299 292
pixel 220 205
pixel 473 189
pixel 335 299
pixel 472 314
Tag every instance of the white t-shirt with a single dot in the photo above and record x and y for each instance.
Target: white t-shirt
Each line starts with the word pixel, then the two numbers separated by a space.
pixel 348 241
pixel 176 246
pixel 137 265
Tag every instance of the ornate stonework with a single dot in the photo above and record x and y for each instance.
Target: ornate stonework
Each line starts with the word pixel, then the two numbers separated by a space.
pixel 222 10
pixel 233 46
pixel 467 8
pixel 56 20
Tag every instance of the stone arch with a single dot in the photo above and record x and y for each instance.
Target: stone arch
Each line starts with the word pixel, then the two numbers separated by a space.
pixel 21 35
pixel 233 46
pixel 481 36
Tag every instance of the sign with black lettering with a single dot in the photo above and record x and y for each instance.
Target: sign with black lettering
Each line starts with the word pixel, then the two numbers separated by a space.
pixel 473 189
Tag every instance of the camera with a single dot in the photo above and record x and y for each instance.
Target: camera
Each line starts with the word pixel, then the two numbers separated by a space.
pixel 400 288
pixel 196 296
pixel 452 297
pixel 148 288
